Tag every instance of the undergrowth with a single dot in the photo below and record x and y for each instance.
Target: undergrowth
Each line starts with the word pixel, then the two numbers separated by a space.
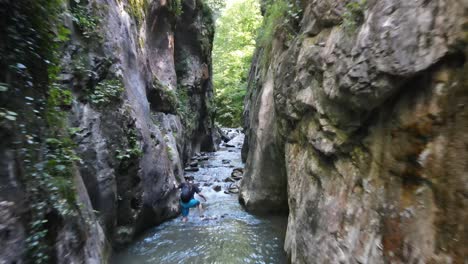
pixel 106 92
pixel 86 22
pixel 137 9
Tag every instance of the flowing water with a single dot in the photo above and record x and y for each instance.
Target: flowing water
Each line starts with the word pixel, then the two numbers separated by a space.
pixel 230 235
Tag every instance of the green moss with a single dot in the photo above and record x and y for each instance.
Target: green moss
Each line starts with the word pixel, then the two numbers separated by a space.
pixel 184 111
pixel 137 9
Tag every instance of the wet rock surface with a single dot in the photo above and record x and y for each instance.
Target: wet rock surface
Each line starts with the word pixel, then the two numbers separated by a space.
pixel 134 85
pixel 358 132
pixel 226 233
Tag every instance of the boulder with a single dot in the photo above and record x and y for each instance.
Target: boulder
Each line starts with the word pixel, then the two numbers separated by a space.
pixel 191 169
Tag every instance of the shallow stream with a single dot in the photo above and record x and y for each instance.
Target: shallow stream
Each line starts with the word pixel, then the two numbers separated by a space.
pixel 228 234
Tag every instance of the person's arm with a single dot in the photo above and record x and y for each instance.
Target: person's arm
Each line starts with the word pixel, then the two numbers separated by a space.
pixel 198 191
pixel 177 186
pixel 202 196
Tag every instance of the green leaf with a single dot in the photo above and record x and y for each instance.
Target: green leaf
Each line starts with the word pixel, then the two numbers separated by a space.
pixel 60 167
pixel 3 87
pixel 10 117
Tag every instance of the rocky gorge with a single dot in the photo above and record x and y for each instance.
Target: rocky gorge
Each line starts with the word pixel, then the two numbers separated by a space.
pixel 355 123
pixel 356 126
pixel 102 104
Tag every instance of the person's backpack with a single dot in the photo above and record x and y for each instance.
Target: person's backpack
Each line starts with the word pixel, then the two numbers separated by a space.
pixel 186 194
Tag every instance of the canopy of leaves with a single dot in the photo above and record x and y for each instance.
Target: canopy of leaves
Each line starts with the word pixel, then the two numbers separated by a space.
pixel 234 45
pixel 216 6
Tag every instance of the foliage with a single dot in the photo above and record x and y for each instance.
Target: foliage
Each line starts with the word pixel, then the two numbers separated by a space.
pixel 57 100
pixel 281 15
pixel 87 23
pixel 354 15
pixel 7 115
pixel 132 151
pixel 51 185
pixel 176 7
pixel 80 65
pixel 33 34
pixel 216 6
pixel 106 92
pixel 234 45
pixel 60 97
pixel 183 101
pixel 137 9
pixel 274 15
pixel 169 151
pixel 184 110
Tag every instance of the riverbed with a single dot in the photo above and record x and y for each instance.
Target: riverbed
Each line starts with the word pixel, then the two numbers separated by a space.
pixel 225 234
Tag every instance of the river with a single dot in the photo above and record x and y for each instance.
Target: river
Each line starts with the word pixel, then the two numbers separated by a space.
pixel 228 234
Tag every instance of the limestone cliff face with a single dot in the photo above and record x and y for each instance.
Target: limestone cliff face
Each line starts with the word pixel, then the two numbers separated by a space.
pixel 370 120
pixel 121 95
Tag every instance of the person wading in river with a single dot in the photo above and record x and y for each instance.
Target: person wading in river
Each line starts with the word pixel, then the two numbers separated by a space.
pixel 187 199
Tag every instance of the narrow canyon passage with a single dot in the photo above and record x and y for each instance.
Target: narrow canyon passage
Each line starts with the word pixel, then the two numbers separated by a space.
pixel 354 119
pixel 228 234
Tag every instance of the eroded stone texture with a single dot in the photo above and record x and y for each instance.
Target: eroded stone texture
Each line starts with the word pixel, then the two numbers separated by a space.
pixel 373 125
pixel 132 147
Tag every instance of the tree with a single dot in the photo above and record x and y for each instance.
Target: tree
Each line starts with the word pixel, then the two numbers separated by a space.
pixel 216 6
pixel 234 45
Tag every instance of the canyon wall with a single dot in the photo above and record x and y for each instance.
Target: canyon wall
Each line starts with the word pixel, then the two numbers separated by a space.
pixel 356 117
pixel 102 103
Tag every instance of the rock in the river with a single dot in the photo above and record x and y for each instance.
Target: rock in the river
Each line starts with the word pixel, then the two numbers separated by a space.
pixel 193 164
pixel 233 188
pixel 356 123
pixel 229 179
pixel 191 169
pixel 203 158
pixel 217 188
pixel 237 174
pixel 224 161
